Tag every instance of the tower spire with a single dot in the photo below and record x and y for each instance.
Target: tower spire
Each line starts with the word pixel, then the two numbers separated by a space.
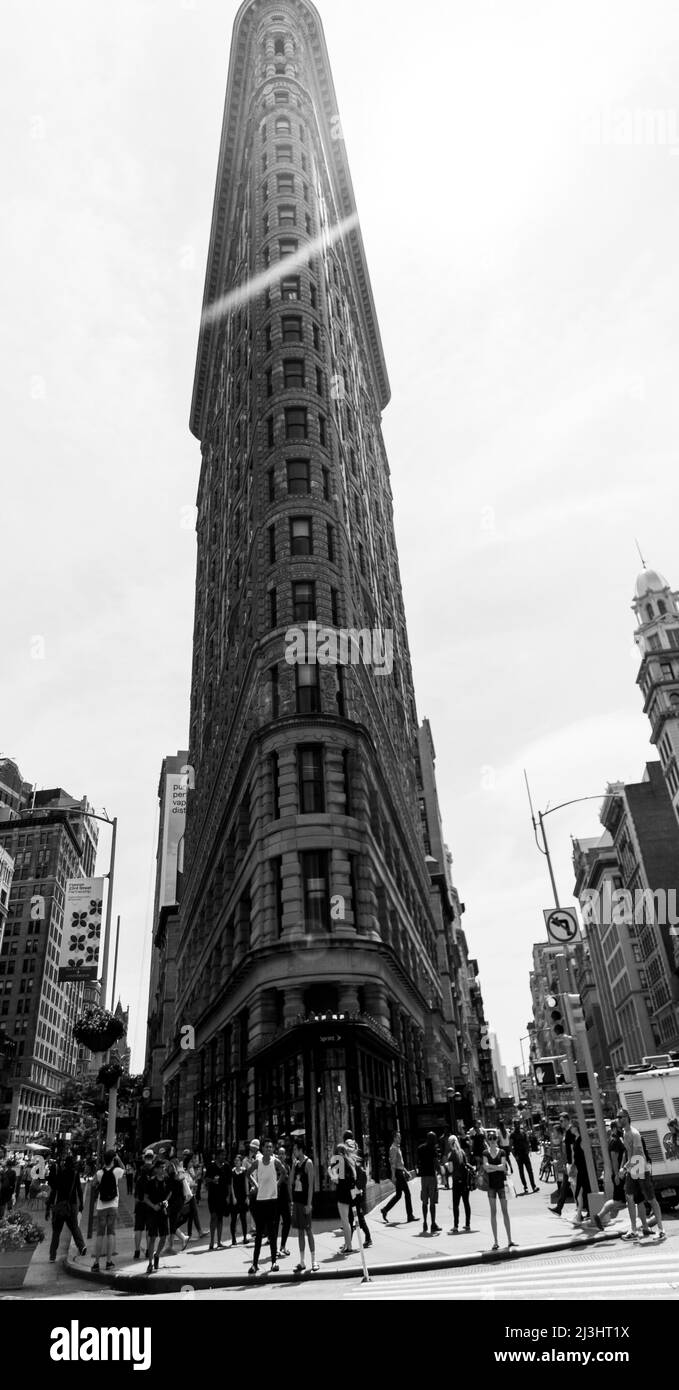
pixel 640 554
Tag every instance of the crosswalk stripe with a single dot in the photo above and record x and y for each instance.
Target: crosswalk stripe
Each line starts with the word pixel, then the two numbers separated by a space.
pixel 569 1275
pixel 615 1275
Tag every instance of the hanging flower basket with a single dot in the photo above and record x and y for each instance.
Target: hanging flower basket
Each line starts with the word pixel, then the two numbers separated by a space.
pixel 109 1075
pixel 98 1029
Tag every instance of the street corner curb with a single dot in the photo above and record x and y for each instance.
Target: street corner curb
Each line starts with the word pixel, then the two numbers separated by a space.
pixel 163 1283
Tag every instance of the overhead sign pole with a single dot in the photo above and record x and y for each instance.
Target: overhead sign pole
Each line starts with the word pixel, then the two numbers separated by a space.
pixel 596 1198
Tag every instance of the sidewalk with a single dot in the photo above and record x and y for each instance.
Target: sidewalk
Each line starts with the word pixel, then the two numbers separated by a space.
pixel 397 1248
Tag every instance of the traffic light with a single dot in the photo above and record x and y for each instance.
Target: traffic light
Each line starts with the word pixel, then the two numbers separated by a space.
pixel 556 1017
pixel 575 1012
pixel 544 1072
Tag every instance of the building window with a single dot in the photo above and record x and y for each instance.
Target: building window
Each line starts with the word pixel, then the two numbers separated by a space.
pixel 287 246
pixel 319 381
pixel 301 536
pixel 285 184
pixel 283 154
pixel 277 869
pixel 273 609
pixel 269 382
pixel 296 423
pixel 346 764
pixel 291 325
pixel 325 472
pixel 271 475
pixel 317 338
pixel 265 224
pixel 279 48
pixel 307 224
pixel 322 431
pixel 265 191
pixel 305 164
pixel 298 476
pixel 272 545
pixel 311 793
pixel 313 295
pixel 314 865
pixel 293 374
pixel 334 607
pixel 270 432
pixel 265 162
pixel 303 601
pixel 273 679
pixel 283 126
pixel 275 799
pixel 287 215
pixel 308 690
pixel 290 289
pixel 331 544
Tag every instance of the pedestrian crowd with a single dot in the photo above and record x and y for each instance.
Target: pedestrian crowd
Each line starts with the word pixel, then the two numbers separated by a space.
pixel 632 1172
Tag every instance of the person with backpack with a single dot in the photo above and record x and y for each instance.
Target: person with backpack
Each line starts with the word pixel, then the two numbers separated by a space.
pixel 108 1180
pixel 67 1202
pixel 359 1200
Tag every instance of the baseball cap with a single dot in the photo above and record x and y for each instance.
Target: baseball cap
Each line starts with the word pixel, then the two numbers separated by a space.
pixel 254 1144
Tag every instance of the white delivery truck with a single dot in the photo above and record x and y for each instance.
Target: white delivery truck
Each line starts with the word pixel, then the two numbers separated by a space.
pixel 651 1094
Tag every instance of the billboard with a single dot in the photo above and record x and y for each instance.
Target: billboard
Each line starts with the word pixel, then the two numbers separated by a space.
pixel 174 821
pixel 81 935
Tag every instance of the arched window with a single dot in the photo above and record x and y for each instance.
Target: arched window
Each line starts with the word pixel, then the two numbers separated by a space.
pixel 279 48
pixel 662 606
pixel 649 612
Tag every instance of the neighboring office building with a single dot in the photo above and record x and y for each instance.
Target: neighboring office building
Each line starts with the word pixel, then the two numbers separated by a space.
pixel 643 827
pixel 162 1024
pixel 50 840
pixel 307 956
pixel 616 957
pixel 6 876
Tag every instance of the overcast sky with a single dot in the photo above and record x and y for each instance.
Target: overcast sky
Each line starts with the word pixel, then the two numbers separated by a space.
pixel 515 167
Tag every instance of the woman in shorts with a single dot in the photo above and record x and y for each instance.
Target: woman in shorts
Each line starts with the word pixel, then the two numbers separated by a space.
pixel 495 1168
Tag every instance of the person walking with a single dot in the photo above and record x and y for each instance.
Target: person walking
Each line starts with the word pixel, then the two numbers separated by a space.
pixel 129 1177
pixel 141 1210
pixel 476 1138
pixel 157 1199
pixel 521 1151
pixel 428 1166
pixel 582 1183
pixel 639 1188
pixel 108 1181
pixel 494 1165
pixel 178 1211
pixel 283 1200
pixel 218 1196
pixel 461 1173
pixel 361 1185
pixel 193 1217
pixel 301 1197
pixel 252 1163
pixel 68 1202
pixel 239 1200
pixel 342 1171
pixel 266 1208
pixel 399 1177
pixel 565 1193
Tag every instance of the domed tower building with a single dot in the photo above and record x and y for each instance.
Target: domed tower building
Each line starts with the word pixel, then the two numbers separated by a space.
pixel 656 607
pixel 308 991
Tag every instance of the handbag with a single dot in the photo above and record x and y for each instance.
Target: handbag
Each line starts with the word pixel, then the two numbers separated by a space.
pixel 481 1180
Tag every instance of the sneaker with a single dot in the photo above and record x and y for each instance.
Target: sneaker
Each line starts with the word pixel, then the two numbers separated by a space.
pixel 275 1267
pixel 253 1269
pixel 495 1246
pixel 95 1267
pixel 467 1229
pixel 367 1244
pixel 384 1216
pixel 660 1235
pixel 314 1268
pixel 283 1254
pixel 630 1235
pixel 345 1250
pixel 645 1231
pixel 435 1230
pixel 454 1232
pixel 301 1269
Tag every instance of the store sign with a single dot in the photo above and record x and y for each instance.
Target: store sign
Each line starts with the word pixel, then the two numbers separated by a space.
pixel 81 935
